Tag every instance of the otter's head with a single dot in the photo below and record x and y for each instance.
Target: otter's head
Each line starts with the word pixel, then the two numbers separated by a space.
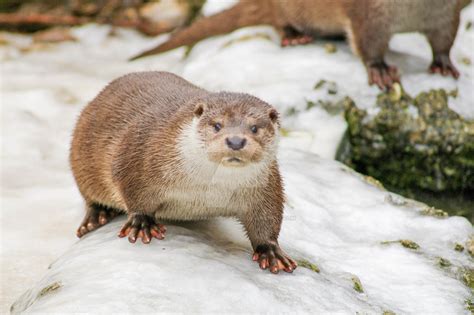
pixel 236 130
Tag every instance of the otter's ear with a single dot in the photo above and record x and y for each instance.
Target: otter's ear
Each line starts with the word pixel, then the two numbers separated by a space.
pixel 273 114
pixel 199 109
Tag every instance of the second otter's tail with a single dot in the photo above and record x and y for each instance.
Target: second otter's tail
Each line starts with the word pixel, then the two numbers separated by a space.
pixel 244 13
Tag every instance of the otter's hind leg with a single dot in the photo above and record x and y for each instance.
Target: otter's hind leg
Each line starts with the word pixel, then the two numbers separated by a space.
pixel 441 41
pixel 96 216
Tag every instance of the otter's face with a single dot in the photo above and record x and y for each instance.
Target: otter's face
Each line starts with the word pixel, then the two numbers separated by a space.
pixel 235 136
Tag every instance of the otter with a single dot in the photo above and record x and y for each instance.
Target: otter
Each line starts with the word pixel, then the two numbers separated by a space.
pixel 368 24
pixel 156 147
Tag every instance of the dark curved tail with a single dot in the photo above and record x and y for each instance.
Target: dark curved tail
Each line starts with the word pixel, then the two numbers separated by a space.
pixel 244 13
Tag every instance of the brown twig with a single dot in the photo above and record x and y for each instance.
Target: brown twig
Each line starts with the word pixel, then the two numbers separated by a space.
pixel 151 29
pixel 43 19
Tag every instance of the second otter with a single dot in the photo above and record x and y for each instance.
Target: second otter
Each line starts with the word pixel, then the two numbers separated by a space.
pixel 368 24
pixel 155 146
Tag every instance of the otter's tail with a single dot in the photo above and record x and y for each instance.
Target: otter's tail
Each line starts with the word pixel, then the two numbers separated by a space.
pixel 244 13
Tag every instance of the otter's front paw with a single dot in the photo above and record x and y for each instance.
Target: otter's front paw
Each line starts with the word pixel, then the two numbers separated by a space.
pixel 271 256
pixel 142 226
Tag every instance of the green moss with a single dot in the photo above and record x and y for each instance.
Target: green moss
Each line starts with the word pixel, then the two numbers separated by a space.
pixel 330 48
pixel 431 211
pixel 372 181
pixel 443 262
pixel 330 85
pixel 458 247
pixel 284 132
pixel 409 244
pixel 470 246
pixel 320 84
pixel 308 265
pixel 291 111
pixel 469 305
pixel 357 285
pixel 468 277
pixel 412 142
pixel 466 61
pixel 405 243
pixel 50 288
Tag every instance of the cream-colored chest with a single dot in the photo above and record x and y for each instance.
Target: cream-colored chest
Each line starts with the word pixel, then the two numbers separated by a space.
pixel 195 202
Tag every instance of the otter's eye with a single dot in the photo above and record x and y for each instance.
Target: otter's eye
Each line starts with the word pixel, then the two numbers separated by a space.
pixel 254 129
pixel 217 127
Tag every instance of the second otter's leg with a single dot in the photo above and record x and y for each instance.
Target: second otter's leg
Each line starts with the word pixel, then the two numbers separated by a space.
pixel 441 41
pixel 369 37
pixel 96 216
pixel 142 226
pixel 262 224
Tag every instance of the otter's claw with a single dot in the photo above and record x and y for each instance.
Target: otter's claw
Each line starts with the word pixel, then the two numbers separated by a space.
pixel 296 40
pixel 271 256
pixel 95 218
pixel 142 226
pixel 383 75
pixel 442 65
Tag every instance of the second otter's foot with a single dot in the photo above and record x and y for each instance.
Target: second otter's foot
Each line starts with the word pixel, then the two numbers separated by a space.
pixel 271 256
pixel 142 226
pixel 96 217
pixel 296 40
pixel 293 37
pixel 442 64
pixel 383 75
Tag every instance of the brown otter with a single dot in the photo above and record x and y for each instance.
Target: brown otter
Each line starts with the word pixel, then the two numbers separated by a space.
pixel 369 25
pixel 155 146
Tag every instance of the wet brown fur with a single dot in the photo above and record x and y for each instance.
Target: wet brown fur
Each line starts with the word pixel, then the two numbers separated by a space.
pixel 126 155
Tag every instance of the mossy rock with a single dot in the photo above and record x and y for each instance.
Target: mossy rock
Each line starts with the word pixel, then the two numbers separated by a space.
pixel 410 142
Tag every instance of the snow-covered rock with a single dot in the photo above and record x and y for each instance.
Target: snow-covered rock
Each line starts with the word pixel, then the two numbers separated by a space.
pixel 333 219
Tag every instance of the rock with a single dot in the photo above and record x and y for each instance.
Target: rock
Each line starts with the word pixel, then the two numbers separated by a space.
pixel 412 142
pixel 333 225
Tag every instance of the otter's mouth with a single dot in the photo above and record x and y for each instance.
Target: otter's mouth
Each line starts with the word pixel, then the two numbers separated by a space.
pixel 233 161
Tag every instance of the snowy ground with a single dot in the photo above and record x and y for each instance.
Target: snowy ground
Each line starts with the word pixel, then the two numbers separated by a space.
pixel 43 88
pixel 337 223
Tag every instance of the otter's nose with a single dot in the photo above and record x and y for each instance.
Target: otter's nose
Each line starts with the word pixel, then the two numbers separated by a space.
pixel 235 143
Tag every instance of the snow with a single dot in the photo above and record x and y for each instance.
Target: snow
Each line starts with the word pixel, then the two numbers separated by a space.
pixel 206 267
pixel 333 217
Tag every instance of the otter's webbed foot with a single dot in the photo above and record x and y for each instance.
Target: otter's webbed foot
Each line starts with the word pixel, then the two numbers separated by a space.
pixel 96 217
pixel 142 226
pixel 292 37
pixel 383 75
pixel 271 256
pixel 442 65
